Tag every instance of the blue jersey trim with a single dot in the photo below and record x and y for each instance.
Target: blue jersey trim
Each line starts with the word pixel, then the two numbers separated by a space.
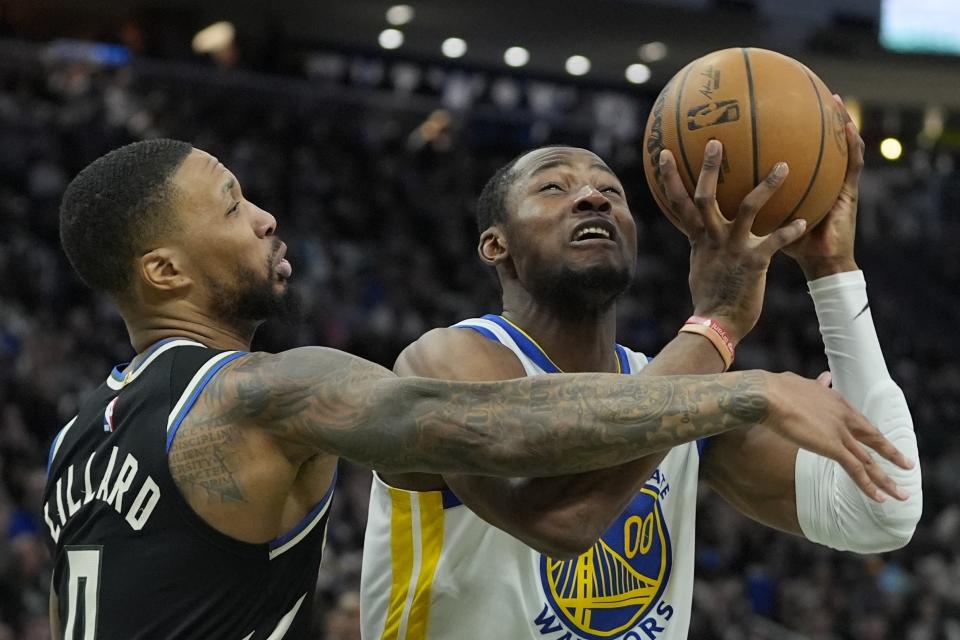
pixel 702 445
pixel 486 333
pixel 120 370
pixel 530 348
pixel 450 499
pixel 53 447
pixel 307 519
pixel 196 394
pixel 623 359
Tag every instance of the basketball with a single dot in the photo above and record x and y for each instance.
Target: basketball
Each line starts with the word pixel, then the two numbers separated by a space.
pixel 765 108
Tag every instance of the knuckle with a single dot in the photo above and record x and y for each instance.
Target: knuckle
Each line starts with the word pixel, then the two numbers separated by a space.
pixel 702 201
pixel 710 164
pixel 747 208
pixel 772 181
pixel 675 201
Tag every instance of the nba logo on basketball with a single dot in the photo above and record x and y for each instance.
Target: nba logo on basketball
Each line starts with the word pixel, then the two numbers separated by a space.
pixel 608 590
pixel 707 115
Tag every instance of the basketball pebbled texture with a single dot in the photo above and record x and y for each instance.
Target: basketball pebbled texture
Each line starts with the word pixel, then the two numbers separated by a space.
pixel 765 108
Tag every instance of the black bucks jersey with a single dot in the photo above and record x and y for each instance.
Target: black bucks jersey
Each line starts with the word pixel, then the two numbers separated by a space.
pixel 131 557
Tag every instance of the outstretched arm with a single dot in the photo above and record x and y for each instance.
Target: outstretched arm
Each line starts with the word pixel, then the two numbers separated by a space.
pixel 318 399
pixel 314 399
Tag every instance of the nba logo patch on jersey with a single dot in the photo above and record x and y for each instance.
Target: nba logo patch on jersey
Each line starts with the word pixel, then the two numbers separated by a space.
pixel 606 591
pixel 108 425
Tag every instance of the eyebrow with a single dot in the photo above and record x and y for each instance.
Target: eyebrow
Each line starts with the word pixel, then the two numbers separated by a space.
pixel 553 164
pixel 228 185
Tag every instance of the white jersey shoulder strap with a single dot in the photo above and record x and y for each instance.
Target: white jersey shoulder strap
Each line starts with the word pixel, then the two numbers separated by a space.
pixel 533 358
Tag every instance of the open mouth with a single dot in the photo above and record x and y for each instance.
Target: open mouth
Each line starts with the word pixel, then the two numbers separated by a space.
pixel 597 229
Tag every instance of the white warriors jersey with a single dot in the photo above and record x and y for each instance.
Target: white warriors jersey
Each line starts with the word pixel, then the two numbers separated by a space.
pixel 434 569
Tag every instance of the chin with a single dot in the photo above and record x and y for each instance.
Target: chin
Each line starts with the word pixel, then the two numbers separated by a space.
pixel 582 289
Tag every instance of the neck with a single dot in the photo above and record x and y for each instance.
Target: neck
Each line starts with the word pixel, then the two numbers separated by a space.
pixel 147 330
pixel 574 343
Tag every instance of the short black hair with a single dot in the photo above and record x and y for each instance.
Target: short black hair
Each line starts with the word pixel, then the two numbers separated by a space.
pixel 116 205
pixel 492 204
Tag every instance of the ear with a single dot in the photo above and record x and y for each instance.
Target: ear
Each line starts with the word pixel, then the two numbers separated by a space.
pixel 493 247
pixel 163 269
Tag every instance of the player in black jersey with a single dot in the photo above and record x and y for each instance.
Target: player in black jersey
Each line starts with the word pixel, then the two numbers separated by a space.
pixel 188 497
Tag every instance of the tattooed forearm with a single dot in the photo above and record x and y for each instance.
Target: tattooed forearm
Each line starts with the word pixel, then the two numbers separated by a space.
pixel 545 425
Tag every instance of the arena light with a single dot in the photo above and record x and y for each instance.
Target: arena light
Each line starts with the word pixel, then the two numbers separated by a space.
pixel 400 14
pixel 578 65
pixel 638 73
pixel 454 47
pixel 652 51
pixel 891 149
pixel 217 37
pixel 391 38
pixel 516 56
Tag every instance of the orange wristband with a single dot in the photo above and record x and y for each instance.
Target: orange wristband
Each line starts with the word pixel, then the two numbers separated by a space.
pixel 715 333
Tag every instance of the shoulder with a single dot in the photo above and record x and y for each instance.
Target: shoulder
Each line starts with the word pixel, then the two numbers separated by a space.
pixel 303 366
pixel 458 354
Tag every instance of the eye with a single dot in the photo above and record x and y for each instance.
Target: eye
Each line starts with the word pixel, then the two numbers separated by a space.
pixel 234 208
pixel 611 190
pixel 551 186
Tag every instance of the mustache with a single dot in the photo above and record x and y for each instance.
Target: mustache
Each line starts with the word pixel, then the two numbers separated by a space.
pixel 275 251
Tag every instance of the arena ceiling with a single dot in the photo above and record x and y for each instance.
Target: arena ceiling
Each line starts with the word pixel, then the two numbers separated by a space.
pixel 838 38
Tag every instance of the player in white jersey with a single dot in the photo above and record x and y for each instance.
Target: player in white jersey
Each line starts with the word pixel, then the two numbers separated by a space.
pixel 609 554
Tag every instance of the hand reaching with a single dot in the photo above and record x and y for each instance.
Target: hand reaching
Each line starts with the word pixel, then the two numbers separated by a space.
pixel 818 419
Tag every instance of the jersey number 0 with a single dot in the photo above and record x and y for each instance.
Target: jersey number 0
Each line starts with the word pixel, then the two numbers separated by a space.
pixel 83 590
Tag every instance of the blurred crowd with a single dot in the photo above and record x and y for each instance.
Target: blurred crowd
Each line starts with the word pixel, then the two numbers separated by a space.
pixel 376 200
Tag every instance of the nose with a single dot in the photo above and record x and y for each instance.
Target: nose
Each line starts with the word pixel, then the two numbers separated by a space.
pixel 589 199
pixel 264 223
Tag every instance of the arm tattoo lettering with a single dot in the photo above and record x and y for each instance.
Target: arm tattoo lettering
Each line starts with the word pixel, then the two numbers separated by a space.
pixel 204 460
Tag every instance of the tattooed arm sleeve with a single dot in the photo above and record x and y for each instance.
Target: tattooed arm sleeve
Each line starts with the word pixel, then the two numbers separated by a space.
pixel 330 401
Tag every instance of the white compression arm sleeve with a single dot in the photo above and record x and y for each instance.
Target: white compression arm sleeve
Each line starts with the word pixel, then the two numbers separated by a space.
pixel 831 509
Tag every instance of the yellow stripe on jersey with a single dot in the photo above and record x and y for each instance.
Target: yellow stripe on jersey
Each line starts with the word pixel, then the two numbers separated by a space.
pixel 431 540
pixel 401 554
pixel 535 343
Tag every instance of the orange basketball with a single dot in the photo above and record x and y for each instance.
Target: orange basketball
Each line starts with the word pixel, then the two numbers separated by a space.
pixel 765 108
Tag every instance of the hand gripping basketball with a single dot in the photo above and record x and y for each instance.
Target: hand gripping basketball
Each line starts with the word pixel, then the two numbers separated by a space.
pixel 764 107
pixel 728 263
pixel 828 248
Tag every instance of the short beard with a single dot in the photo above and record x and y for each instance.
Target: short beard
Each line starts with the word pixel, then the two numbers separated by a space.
pixel 579 294
pixel 253 301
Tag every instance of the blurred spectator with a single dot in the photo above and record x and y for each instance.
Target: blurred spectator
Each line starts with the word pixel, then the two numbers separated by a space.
pixel 343 623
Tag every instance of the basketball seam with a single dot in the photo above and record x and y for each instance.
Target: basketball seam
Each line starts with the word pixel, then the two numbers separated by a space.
pixel 753 118
pixel 678 109
pixel 816 168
